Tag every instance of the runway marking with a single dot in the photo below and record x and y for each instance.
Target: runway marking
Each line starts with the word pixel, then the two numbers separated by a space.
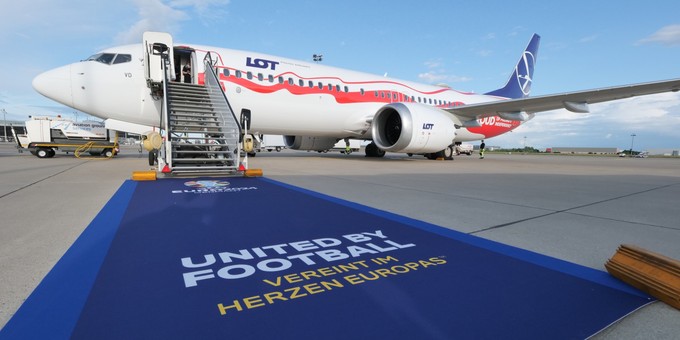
pixel 41 180
pixel 586 215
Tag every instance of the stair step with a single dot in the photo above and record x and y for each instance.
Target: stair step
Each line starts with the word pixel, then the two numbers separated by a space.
pixel 179 126
pixel 200 160
pixel 199 144
pixel 198 111
pixel 193 115
pixel 217 152
pixel 210 138
pixel 177 119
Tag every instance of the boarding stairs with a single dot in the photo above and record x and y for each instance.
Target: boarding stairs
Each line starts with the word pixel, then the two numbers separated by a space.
pixel 203 135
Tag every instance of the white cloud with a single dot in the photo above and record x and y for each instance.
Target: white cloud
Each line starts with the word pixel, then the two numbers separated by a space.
pixel 588 39
pixel 655 119
pixel 438 74
pixel 432 77
pixel 168 16
pixel 489 36
pixel 484 53
pixel 433 63
pixel 668 35
pixel 154 16
pixel 658 113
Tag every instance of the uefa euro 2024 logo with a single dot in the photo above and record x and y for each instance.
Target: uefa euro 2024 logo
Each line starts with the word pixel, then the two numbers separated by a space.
pixel 206 184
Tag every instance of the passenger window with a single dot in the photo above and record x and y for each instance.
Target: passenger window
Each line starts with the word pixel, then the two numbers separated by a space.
pixel 346 89
pixel 337 88
pixel 311 84
pixel 301 82
pixel 238 74
pixel 226 72
pixel 260 77
pixel 362 91
pixel 320 86
pixel 271 78
pixel 280 80
pixel 376 93
pixel 249 75
pixel 330 87
pixel 290 81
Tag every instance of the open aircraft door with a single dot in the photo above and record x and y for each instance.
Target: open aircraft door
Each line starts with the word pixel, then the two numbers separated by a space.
pixel 156 45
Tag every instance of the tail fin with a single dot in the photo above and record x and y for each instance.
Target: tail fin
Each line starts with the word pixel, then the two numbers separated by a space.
pixel 519 84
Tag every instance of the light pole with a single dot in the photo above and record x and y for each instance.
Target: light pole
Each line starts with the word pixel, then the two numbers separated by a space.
pixel 4 125
pixel 632 139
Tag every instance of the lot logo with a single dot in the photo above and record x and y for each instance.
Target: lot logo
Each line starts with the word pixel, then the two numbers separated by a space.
pixel 261 63
pixel 206 184
pixel 210 187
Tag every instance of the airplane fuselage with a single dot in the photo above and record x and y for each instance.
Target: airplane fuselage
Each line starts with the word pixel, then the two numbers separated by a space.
pixel 285 96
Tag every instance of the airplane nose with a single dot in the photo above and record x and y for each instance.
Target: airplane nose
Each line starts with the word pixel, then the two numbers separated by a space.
pixel 55 84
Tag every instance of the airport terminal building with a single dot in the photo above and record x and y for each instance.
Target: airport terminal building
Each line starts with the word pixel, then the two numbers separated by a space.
pixel 6 133
pixel 585 150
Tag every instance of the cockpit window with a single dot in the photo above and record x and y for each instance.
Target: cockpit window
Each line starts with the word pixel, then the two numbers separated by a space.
pixel 104 58
pixel 110 58
pixel 122 58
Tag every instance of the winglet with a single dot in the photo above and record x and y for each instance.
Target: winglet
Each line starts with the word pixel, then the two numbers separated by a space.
pixel 519 84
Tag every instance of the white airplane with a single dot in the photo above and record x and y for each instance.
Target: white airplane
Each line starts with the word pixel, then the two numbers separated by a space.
pixel 314 105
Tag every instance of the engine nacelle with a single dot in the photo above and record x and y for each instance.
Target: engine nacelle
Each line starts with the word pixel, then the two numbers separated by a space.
pixel 413 128
pixel 309 143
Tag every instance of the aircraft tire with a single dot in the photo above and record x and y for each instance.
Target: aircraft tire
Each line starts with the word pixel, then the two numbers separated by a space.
pixel 152 157
pixel 448 152
pixel 435 155
pixel 373 150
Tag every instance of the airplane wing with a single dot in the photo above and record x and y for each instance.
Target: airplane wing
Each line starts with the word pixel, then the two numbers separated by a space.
pixel 573 101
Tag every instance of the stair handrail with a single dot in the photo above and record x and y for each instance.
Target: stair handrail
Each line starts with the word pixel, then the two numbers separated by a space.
pixel 215 91
pixel 217 96
pixel 165 111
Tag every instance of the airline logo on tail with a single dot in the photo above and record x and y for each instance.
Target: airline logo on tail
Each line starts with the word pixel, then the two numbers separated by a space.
pixel 524 72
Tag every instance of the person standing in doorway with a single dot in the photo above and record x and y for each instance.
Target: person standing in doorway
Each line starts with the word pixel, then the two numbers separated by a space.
pixel 186 72
pixel 481 150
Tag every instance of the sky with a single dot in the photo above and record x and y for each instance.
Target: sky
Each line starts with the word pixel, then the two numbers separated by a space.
pixel 471 46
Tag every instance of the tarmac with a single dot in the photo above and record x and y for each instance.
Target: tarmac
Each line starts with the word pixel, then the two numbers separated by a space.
pixel 575 208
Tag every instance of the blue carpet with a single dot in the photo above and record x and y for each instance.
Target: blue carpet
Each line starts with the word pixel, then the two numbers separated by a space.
pixel 242 258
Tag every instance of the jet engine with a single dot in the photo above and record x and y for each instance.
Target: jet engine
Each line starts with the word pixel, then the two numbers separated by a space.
pixel 309 143
pixel 413 128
